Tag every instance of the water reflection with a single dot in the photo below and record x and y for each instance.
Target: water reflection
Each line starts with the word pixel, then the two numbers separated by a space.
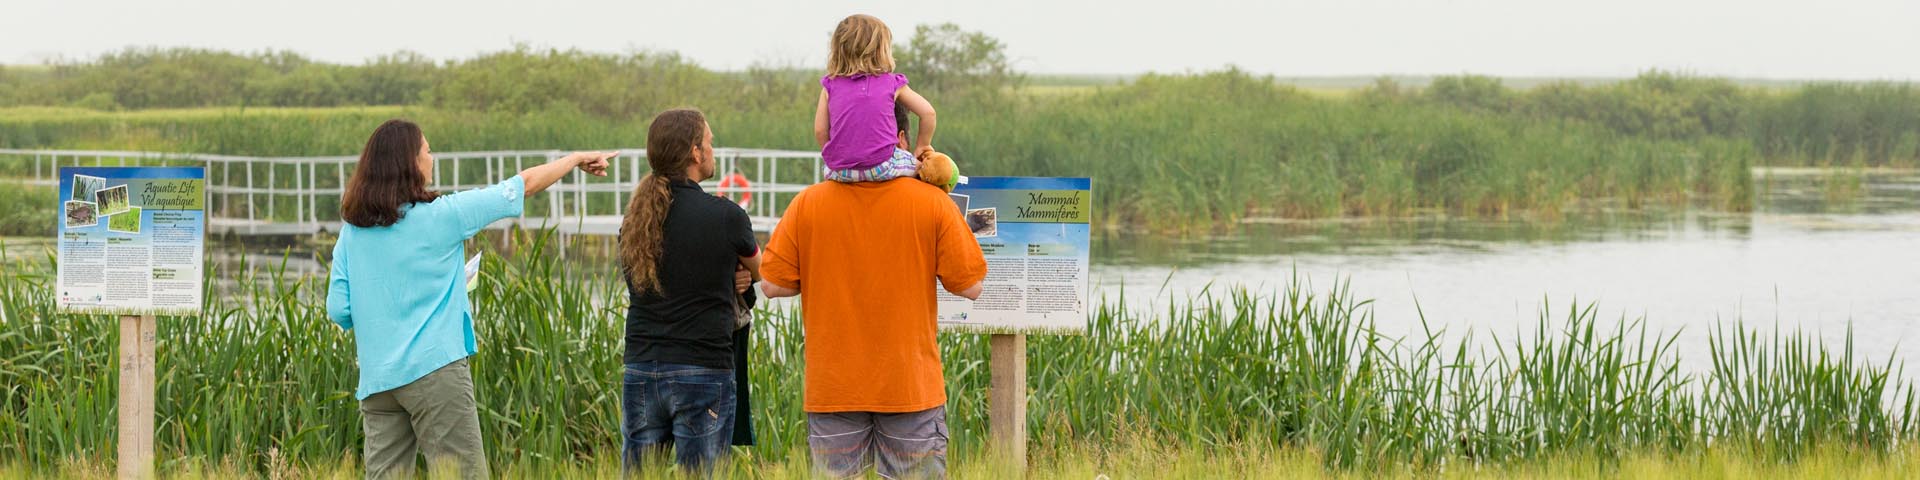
pixel 1806 258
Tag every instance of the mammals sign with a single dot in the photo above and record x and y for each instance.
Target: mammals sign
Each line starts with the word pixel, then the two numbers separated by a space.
pixel 131 240
pixel 1035 234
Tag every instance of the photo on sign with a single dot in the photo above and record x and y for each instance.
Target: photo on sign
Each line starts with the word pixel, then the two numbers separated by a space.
pixel 81 214
pixel 961 200
pixel 984 222
pixel 113 201
pixel 126 222
pixel 85 186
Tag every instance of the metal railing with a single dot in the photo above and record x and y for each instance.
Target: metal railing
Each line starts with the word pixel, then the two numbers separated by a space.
pixel 301 195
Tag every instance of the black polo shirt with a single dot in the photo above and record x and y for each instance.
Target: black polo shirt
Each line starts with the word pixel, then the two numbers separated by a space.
pixel 692 323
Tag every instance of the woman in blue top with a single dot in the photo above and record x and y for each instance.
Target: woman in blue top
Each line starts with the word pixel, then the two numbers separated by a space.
pixel 397 282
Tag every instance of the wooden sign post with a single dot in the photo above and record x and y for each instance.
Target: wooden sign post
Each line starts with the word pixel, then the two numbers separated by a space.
pixel 1035 233
pixel 1007 398
pixel 145 223
pixel 137 336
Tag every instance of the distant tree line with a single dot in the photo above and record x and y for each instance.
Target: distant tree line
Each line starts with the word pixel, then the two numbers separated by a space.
pixel 943 59
pixel 1822 123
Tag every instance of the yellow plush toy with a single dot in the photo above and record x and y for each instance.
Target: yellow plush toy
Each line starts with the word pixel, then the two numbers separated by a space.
pixel 938 169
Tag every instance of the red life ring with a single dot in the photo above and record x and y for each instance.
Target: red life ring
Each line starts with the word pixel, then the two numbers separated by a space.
pixel 736 180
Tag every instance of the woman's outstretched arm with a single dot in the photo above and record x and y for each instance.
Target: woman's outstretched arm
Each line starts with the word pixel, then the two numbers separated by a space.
pixel 539 177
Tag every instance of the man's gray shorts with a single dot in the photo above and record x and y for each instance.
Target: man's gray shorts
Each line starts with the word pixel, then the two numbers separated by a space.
pixel 897 445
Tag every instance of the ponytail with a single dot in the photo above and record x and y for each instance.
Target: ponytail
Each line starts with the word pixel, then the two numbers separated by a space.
pixel 671 141
pixel 643 232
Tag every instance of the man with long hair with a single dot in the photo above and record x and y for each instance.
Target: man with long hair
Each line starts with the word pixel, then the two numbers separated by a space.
pixel 680 249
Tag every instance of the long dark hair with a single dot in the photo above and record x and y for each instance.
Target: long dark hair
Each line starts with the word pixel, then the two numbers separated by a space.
pixel 386 177
pixel 670 144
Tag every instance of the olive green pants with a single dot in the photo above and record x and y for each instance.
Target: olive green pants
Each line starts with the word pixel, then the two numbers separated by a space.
pixel 434 415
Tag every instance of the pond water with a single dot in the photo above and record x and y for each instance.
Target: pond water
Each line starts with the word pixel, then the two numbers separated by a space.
pixel 1809 257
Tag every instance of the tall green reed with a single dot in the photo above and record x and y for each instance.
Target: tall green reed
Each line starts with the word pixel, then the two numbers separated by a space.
pixel 1171 153
pixel 264 377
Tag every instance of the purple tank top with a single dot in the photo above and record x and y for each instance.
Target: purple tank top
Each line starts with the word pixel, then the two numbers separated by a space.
pixel 860 125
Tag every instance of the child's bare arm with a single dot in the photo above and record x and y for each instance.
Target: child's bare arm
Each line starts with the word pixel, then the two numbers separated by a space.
pixel 820 120
pixel 920 108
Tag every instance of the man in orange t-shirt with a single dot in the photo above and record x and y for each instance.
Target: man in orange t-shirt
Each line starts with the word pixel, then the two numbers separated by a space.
pixel 867 255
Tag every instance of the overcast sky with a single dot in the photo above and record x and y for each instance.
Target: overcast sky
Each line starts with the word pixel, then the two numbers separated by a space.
pixel 1830 39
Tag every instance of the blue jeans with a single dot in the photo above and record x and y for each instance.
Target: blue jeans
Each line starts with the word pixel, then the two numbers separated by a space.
pixel 665 405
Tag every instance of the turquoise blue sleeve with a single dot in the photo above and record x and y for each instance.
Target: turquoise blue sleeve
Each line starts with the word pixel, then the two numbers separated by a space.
pixel 339 305
pixel 475 209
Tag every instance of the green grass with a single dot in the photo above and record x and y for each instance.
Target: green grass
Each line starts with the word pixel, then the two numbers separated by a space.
pixel 1169 154
pixel 264 379
pixel 1844 186
pixel 1184 152
pixel 1137 460
pixel 29 210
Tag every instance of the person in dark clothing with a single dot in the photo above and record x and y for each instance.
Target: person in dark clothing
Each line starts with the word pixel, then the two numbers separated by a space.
pixel 681 248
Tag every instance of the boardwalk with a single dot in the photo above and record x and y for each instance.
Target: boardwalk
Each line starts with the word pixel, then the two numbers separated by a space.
pixel 301 195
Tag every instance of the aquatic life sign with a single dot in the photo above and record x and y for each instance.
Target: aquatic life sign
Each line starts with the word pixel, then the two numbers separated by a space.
pixel 131 240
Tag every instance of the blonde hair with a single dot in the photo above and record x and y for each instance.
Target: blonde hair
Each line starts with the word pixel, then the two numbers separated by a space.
pixel 861 45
